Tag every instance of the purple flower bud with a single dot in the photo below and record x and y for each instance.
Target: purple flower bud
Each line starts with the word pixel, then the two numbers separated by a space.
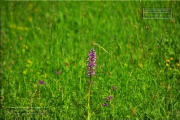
pixel 91 63
pixel 104 104
pixel 110 97
pixel 41 82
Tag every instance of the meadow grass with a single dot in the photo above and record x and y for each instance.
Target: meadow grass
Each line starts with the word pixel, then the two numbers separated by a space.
pixel 44 49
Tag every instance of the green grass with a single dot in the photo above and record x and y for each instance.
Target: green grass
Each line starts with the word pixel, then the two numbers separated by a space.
pixel 40 38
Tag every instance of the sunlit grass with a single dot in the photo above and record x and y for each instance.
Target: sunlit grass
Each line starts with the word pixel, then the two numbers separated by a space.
pixel 44 47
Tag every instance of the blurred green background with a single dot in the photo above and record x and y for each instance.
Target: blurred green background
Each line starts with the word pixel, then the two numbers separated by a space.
pixel 40 39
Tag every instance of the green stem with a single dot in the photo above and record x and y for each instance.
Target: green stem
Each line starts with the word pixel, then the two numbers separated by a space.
pixel 89 94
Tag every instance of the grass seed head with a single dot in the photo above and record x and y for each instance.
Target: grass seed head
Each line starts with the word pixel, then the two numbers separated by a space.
pixel 167 61
pixel 167 64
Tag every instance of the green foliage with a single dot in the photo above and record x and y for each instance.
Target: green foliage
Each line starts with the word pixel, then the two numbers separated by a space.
pixel 141 57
